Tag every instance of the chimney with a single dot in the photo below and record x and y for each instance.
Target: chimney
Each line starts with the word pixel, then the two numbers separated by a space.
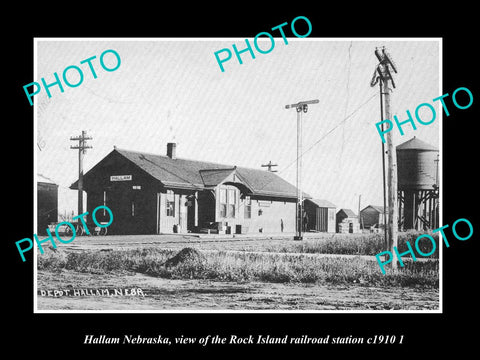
pixel 171 150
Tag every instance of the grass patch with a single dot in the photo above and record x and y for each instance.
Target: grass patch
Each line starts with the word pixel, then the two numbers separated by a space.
pixel 241 267
pixel 357 244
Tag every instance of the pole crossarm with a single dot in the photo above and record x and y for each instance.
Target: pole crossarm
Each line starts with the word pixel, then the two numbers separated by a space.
pixel 81 147
pixel 80 138
pixel 301 103
pixel 269 166
pixel 383 68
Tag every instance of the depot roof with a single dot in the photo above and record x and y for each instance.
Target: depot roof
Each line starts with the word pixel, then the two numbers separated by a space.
pixel 198 175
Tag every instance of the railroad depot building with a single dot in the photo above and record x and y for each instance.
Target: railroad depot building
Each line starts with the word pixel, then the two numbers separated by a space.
pixel 155 194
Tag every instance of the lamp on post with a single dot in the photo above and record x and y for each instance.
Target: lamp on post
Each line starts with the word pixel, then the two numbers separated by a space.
pixel 302 106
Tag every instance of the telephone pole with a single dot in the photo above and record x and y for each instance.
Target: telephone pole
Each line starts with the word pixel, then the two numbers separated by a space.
pixel 360 221
pixel 301 106
pixel 385 77
pixel 82 148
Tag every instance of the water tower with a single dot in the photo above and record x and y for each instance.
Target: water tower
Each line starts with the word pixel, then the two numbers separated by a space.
pixel 417 169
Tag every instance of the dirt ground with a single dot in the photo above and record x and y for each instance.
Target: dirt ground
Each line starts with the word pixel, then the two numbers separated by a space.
pixel 159 294
pixel 170 294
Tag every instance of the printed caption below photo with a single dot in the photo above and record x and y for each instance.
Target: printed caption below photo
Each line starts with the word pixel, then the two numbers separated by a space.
pixel 243 340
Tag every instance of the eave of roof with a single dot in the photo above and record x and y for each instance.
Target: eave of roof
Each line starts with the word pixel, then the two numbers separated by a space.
pixel 187 174
pixel 323 203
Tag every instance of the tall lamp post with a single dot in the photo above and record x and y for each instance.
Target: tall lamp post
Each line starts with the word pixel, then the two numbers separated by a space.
pixel 301 106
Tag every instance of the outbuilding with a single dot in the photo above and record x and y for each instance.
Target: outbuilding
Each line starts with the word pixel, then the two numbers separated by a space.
pixel 155 194
pixel 320 215
pixel 47 203
pixel 372 216
pixel 347 222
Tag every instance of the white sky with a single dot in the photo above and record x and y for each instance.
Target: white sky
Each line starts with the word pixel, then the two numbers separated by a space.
pixel 173 89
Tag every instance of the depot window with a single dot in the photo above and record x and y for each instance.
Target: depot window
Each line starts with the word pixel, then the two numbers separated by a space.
pixel 232 201
pixel 170 203
pixel 248 207
pixel 223 202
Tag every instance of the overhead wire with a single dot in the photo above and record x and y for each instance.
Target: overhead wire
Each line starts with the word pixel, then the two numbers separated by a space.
pixel 324 136
pixel 321 138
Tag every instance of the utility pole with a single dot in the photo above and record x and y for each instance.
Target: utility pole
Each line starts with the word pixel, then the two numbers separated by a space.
pixel 269 166
pixel 385 77
pixel 301 106
pixel 385 223
pixel 82 148
pixel 360 220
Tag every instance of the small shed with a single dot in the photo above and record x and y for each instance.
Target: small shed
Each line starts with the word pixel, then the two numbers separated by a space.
pixel 372 216
pixel 320 215
pixel 47 203
pixel 347 222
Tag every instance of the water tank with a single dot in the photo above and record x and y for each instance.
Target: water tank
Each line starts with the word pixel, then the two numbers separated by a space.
pixel 417 165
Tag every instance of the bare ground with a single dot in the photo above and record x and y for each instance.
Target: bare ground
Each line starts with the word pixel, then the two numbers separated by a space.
pixel 174 294
pixel 205 295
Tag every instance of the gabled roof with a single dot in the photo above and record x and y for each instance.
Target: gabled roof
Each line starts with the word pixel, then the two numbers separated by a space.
pixel 43 179
pixel 322 203
pixel 378 208
pixel 213 177
pixel 347 212
pixel 193 174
